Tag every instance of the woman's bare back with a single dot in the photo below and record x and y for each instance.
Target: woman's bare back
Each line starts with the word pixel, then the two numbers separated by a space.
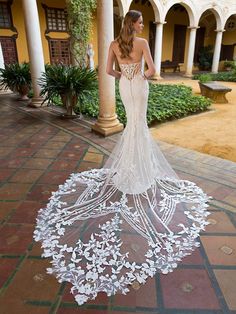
pixel 135 55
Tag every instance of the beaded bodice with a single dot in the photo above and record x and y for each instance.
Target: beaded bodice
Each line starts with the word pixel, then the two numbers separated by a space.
pixel 129 70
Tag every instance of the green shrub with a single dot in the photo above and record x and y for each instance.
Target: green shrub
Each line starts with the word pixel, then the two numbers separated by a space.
pixel 205 57
pixel 230 64
pixel 70 83
pixel 15 76
pixel 221 76
pixel 165 102
pixel 204 78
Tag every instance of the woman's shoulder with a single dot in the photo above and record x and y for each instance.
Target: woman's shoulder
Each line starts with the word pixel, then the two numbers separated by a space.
pixel 114 42
pixel 140 41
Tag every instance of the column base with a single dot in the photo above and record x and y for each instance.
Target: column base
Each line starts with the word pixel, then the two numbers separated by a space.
pixel 156 77
pixel 36 102
pixel 107 126
pixel 187 74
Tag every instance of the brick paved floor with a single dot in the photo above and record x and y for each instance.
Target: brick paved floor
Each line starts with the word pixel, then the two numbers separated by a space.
pixel 38 151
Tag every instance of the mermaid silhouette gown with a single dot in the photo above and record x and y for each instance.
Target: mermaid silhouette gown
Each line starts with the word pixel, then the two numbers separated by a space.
pixel 108 229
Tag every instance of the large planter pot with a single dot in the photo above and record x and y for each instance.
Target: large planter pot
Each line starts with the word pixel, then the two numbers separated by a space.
pixel 23 91
pixel 69 103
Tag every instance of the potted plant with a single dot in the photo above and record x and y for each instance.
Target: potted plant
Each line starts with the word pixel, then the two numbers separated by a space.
pixel 229 65
pixel 205 57
pixel 17 78
pixel 70 83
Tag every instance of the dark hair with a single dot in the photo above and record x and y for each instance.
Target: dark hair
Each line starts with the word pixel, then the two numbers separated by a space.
pixel 126 36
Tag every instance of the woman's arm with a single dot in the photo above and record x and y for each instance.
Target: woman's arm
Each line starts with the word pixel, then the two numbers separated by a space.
pixel 110 63
pixel 148 58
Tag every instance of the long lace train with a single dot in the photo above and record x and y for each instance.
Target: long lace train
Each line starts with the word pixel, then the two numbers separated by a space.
pixel 106 229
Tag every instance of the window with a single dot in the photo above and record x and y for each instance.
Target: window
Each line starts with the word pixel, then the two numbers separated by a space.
pixel 56 19
pixel 227 52
pixel 5 15
pixel 231 24
pixel 59 51
pixel 9 49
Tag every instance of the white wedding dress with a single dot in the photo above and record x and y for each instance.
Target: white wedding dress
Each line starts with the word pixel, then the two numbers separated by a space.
pixel 108 229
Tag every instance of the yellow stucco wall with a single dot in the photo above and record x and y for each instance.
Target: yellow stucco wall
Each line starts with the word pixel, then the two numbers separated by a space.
pixel 42 19
pixel 18 22
pixel 93 37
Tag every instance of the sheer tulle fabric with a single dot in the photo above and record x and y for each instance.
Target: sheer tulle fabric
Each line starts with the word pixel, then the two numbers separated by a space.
pixel 107 229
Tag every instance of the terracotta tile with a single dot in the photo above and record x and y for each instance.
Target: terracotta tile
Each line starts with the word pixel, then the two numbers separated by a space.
pixel 12 163
pixel 54 145
pixel 71 154
pixel 78 310
pixel 84 166
pixel 15 239
pixel 14 191
pixel 194 259
pixel 5 174
pixel 4 151
pixel 37 163
pixel 188 289
pixel 227 282
pixel 41 192
pixel 75 146
pixel 63 164
pixel 31 282
pixel 20 307
pixel 145 296
pixel 6 208
pixel 221 192
pixel 7 266
pixel 220 222
pixel 47 153
pixel 63 138
pixel 94 150
pixel 218 249
pixel 231 199
pixel 28 176
pixel 23 152
pixel 36 249
pixel 55 177
pixel 93 157
pixel 31 144
pixel 26 213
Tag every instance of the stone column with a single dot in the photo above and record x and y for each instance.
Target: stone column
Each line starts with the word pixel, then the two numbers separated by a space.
pixel 216 56
pixel 35 48
pixel 107 122
pixel 191 49
pixel 2 66
pixel 158 50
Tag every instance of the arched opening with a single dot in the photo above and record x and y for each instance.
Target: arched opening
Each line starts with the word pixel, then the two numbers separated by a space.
pixel 228 48
pixel 205 40
pixel 176 35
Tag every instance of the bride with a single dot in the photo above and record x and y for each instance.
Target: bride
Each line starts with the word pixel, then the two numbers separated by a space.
pixel 110 229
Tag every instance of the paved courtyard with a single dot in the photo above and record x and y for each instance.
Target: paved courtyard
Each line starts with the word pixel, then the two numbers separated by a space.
pixel 38 151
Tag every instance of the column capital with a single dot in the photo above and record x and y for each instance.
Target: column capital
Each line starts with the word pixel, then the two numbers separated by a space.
pixel 219 30
pixel 193 27
pixel 159 23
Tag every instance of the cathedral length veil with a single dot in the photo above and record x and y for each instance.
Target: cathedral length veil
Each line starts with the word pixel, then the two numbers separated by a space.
pixel 108 229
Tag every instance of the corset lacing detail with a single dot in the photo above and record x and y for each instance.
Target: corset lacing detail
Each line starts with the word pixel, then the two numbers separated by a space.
pixel 130 70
